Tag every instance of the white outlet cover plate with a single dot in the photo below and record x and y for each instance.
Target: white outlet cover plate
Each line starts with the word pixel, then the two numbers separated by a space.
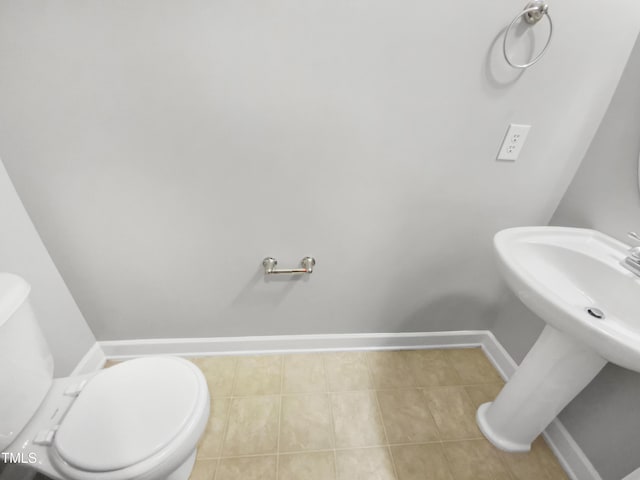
pixel 513 142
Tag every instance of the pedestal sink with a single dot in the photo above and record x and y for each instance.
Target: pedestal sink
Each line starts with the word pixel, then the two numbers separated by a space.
pixel 573 279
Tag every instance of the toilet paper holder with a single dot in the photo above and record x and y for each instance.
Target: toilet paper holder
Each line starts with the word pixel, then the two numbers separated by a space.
pixel 306 266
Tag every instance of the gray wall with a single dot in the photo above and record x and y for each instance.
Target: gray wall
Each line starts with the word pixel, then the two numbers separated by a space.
pixel 605 418
pixel 164 147
pixel 22 253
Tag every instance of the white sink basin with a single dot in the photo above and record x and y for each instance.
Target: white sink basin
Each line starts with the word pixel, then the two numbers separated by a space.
pixel 561 274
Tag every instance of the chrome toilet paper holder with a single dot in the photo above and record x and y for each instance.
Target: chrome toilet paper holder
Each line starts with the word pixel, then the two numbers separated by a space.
pixel 270 263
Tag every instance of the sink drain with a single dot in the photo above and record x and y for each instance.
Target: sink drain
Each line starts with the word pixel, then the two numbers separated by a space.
pixel 595 312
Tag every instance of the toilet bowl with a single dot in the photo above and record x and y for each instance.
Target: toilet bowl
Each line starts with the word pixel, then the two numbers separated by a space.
pixel 138 420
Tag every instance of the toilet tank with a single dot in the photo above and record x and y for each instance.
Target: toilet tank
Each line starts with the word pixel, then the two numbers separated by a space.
pixel 26 364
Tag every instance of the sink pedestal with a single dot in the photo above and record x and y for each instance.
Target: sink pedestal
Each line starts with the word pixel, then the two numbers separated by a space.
pixel 554 371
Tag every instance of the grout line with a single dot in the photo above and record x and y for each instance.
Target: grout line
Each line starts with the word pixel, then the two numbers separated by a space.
pixel 342 449
pixel 236 367
pixel 324 374
pixel 393 462
pixel 412 387
pixel 466 439
pixel 332 419
pixel 303 452
pixel 447 460
pixel 372 380
pixel 433 417
pixel 384 428
pixel 282 366
pixel 227 419
pixel 215 473
pixel 251 455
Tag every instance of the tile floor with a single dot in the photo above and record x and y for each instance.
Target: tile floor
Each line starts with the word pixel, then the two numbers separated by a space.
pixel 392 415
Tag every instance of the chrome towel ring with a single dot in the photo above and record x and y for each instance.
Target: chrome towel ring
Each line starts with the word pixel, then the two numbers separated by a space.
pixel 532 13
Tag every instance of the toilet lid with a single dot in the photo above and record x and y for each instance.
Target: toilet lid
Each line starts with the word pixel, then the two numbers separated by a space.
pixel 127 413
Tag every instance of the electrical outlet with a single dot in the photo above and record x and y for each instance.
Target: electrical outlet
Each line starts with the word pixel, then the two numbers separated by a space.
pixel 513 142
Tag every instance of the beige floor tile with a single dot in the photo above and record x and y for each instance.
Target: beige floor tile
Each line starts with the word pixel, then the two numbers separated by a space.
pixel 421 462
pixel 473 366
pixel 304 373
pixel 484 393
pixel 406 416
pixel 347 371
pixel 258 375
pixel 204 470
pixel 453 412
pixel 110 363
pixel 538 464
pixel 390 369
pixel 365 464
pixel 356 419
pixel 475 460
pixel 219 372
pixel 211 442
pixel 247 468
pixel 253 426
pixel 306 423
pixel 431 368
pixel 307 466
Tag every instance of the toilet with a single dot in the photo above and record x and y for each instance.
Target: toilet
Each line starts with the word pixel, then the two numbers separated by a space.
pixel 138 420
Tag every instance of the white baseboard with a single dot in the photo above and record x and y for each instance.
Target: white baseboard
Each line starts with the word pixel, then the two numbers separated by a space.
pixel 498 355
pixel 568 452
pixel 93 360
pixel 291 343
pixel 570 455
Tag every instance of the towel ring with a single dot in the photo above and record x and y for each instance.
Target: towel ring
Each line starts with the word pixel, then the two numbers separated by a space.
pixel 532 13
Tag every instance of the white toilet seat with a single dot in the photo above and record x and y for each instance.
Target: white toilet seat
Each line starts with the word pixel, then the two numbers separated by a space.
pixel 114 422
pixel 137 420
